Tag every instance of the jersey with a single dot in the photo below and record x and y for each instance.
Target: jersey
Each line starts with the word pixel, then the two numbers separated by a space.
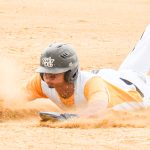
pixel 87 83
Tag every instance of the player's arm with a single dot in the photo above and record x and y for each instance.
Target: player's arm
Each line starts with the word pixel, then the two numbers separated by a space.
pixel 32 88
pixel 96 93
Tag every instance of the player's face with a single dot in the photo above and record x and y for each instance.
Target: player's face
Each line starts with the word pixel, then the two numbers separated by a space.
pixel 54 80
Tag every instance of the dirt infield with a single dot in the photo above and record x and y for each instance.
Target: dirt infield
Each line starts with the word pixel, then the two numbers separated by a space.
pixel 103 32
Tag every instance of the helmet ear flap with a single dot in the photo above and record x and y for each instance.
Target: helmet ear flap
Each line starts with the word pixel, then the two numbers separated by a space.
pixel 71 75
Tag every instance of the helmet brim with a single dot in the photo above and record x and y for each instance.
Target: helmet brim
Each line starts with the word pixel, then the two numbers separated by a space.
pixel 53 70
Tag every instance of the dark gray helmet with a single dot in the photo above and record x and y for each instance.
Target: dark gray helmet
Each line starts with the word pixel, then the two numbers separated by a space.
pixel 59 58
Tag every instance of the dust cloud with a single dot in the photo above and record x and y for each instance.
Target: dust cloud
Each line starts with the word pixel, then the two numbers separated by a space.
pixel 13 102
pixel 12 98
pixel 10 83
pixel 114 119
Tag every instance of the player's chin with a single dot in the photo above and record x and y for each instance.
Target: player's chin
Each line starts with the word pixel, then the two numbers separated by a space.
pixel 53 85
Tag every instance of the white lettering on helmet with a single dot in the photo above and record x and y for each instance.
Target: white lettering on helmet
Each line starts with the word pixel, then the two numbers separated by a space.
pixel 48 62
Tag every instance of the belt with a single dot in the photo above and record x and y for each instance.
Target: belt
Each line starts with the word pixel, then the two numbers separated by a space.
pixel 130 83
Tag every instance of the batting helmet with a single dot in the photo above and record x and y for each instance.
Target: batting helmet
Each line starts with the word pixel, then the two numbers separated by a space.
pixel 59 58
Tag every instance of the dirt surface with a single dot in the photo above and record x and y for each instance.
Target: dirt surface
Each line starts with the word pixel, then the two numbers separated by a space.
pixel 103 32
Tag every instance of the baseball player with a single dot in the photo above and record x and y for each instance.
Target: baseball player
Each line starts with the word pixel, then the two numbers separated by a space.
pixel 60 79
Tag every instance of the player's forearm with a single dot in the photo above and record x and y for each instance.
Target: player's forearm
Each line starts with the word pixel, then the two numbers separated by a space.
pixel 93 110
pixel 98 103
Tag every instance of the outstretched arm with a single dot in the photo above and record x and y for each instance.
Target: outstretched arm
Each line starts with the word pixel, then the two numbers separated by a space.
pixel 97 96
pixel 97 106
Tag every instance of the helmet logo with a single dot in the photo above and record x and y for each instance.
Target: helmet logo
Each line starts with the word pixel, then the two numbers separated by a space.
pixel 48 62
pixel 70 64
